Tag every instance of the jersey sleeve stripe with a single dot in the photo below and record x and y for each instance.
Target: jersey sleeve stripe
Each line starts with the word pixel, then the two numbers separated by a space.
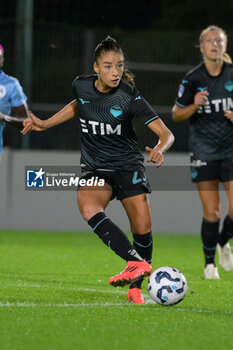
pixel 150 120
pixel 180 105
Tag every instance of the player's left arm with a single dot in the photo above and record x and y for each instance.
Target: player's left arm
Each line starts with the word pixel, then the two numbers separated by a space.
pixel 19 114
pixel 229 115
pixel 166 139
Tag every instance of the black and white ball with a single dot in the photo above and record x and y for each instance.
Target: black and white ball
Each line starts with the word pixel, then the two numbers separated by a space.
pixel 167 286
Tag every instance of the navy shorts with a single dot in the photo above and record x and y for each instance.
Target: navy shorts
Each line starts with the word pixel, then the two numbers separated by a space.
pixel 124 184
pixel 221 170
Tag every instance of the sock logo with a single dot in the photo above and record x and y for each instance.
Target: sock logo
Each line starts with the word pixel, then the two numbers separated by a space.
pixel 134 253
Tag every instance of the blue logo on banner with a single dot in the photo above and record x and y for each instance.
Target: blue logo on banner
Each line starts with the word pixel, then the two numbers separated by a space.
pixel 35 178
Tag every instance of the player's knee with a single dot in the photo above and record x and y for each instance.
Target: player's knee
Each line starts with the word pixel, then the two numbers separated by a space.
pixel 88 213
pixel 212 214
pixel 141 228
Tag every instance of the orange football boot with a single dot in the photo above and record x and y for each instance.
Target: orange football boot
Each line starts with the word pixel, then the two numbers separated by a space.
pixel 135 296
pixel 134 271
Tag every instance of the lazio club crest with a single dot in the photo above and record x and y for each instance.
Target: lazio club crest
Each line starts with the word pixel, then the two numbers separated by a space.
pixel 229 86
pixel 116 111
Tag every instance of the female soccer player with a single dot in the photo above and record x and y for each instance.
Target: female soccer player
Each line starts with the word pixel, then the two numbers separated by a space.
pixel 12 99
pixel 106 103
pixel 206 97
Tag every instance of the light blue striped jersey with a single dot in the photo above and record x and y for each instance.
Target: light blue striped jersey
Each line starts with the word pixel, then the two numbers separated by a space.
pixel 11 95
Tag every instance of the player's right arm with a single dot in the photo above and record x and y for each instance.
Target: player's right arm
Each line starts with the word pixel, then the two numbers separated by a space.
pixel 182 113
pixel 34 123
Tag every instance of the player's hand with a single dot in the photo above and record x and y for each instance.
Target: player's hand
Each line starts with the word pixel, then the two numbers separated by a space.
pixel 27 126
pixel 2 116
pixel 229 115
pixel 32 123
pixel 155 156
pixel 201 98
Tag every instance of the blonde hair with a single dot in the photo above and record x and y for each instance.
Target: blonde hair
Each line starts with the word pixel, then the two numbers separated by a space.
pixel 209 28
pixel 226 56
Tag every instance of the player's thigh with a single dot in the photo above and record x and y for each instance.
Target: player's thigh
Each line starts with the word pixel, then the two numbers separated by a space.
pixel 138 211
pixel 209 195
pixel 92 201
pixel 229 191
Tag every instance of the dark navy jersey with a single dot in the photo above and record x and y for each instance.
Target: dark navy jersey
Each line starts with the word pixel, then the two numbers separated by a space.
pixel 108 140
pixel 211 133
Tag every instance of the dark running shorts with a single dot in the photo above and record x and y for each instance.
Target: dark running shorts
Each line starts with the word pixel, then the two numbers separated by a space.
pixel 124 183
pixel 221 170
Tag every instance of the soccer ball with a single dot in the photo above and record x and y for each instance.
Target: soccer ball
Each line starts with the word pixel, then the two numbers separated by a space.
pixel 167 286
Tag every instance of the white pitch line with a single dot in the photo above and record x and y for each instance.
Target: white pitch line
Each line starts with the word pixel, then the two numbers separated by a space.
pixel 28 285
pixel 147 299
pixel 66 305
pixel 27 304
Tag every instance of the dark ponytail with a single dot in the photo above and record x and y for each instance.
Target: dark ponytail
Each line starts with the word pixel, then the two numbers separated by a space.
pixel 110 44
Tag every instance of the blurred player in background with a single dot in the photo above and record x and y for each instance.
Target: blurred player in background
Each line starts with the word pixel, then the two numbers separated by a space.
pixel 106 102
pixel 206 97
pixel 12 100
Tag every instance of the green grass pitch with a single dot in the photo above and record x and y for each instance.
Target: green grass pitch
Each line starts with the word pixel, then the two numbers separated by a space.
pixel 54 295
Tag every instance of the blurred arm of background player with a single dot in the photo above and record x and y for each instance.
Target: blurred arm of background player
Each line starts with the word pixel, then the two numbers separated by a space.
pixel 179 114
pixel 19 114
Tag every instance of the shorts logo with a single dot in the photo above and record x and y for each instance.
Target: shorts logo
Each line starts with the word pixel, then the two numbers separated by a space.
pixel 194 173
pixel 137 179
pixel 116 111
pixel 35 178
pixel 2 91
pixel 229 86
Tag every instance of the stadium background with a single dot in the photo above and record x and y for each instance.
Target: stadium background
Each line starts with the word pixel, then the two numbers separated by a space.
pixel 160 41
pixel 159 38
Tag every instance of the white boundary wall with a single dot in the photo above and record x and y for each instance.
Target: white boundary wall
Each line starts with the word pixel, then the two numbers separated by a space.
pixel 172 211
